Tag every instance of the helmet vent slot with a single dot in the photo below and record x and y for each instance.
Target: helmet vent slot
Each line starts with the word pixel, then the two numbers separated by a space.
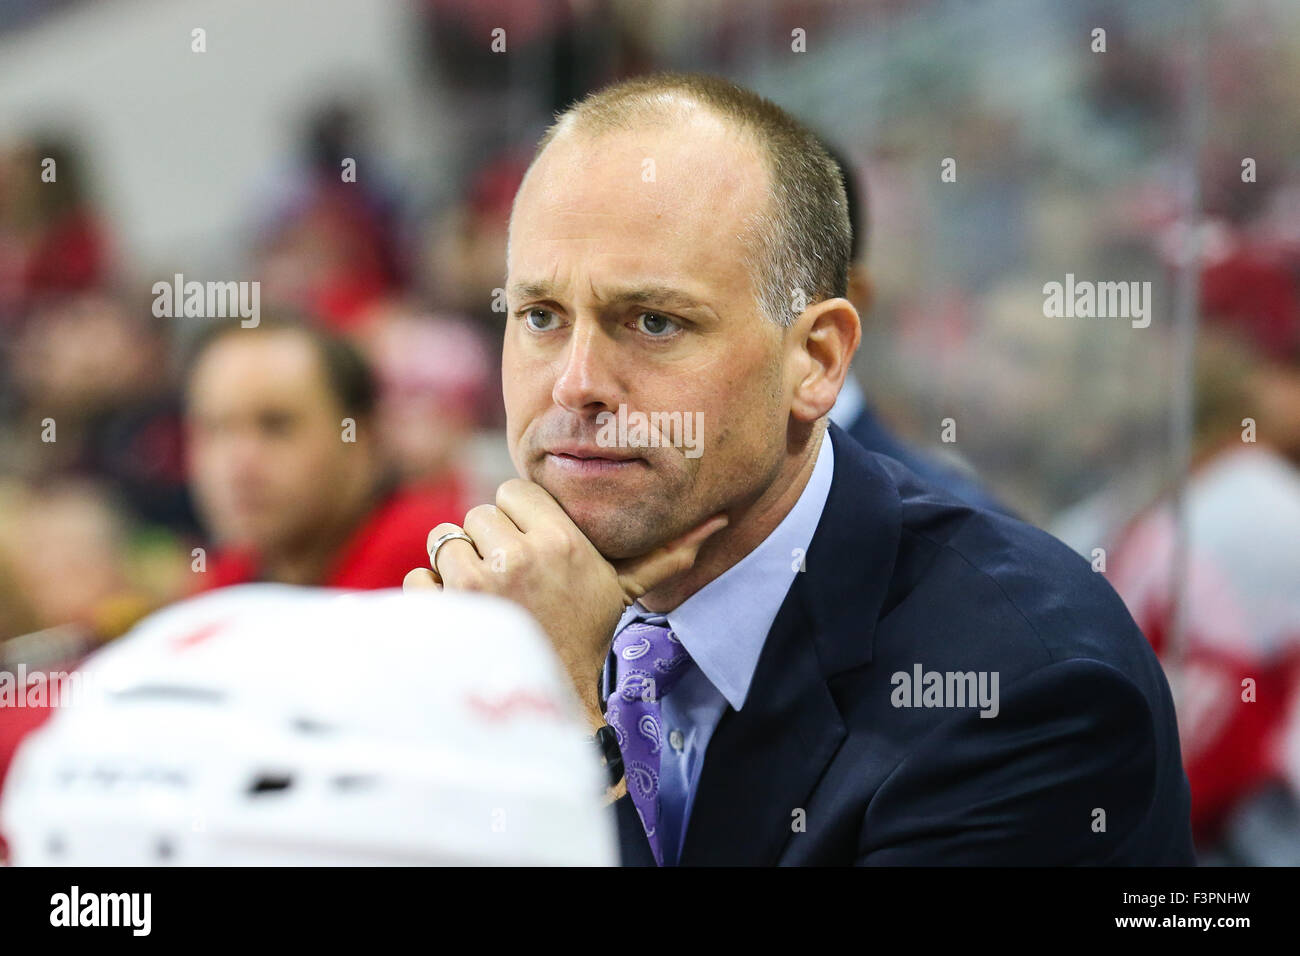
pixel 270 783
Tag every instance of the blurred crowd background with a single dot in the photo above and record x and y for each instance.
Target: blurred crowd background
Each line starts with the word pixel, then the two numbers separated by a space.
pixel 144 458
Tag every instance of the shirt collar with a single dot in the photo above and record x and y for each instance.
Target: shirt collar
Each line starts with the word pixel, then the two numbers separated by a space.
pixel 724 625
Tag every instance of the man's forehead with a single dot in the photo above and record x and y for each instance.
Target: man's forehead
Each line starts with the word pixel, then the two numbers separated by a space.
pixel 657 169
pixel 641 210
pixel 275 359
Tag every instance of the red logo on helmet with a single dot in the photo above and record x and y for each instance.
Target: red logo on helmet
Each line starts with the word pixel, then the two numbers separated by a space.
pixel 512 705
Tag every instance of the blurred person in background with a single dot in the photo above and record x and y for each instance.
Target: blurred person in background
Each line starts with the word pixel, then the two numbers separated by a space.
pixel 14 189
pixel 582 45
pixel 71 582
pixel 93 397
pixel 286 464
pixel 463 251
pixel 1237 673
pixel 435 375
pixel 52 240
pixel 67 544
pixel 852 410
pixel 467 243
pixel 329 244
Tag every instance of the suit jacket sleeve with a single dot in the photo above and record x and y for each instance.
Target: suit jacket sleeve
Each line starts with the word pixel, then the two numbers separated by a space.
pixel 1023 788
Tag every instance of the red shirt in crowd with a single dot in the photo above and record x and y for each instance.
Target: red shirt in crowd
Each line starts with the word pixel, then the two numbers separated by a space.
pixel 388 544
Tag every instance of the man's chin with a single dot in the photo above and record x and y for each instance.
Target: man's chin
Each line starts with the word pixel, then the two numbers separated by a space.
pixel 615 532
pixel 261 537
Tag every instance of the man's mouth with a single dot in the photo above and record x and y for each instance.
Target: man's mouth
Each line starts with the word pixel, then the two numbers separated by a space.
pixel 592 461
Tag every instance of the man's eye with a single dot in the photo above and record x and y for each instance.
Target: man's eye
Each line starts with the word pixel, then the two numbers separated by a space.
pixel 276 424
pixel 656 325
pixel 539 320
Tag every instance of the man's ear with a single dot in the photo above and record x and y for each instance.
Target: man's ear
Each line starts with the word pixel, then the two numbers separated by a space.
pixel 826 335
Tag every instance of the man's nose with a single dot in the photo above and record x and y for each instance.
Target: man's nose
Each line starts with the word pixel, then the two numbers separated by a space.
pixel 242 455
pixel 587 380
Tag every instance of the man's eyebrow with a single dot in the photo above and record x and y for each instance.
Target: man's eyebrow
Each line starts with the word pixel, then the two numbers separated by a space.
pixel 532 290
pixel 661 295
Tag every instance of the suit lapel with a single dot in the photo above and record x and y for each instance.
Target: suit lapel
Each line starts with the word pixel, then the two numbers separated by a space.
pixel 764 761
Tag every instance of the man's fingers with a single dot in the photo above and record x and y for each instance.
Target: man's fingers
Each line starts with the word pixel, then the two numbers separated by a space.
pixel 445 528
pixel 639 575
pixel 492 531
pixel 530 506
pixel 420 579
pixel 457 553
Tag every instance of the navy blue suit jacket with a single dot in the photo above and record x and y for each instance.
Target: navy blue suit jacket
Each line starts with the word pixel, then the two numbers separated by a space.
pixel 872 435
pixel 1081 764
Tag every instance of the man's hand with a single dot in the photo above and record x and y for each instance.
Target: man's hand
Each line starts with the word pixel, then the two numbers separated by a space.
pixel 528 550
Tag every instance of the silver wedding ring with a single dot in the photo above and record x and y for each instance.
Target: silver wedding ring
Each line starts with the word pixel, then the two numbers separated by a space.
pixel 443 539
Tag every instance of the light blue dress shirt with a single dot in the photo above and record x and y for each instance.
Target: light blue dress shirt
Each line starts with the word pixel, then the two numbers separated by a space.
pixel 723 627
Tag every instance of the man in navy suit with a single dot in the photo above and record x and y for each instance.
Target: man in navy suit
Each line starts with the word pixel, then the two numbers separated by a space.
pixel 791 649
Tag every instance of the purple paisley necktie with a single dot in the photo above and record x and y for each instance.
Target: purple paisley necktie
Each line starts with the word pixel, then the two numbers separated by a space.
pixel 650 659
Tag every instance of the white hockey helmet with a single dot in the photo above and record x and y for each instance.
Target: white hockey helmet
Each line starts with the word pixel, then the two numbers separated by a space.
pixel 275 725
